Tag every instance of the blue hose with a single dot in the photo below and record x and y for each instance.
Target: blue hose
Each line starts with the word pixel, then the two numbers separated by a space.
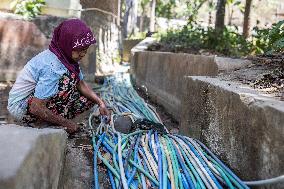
pixel 223 165
pixel 101 138
pixel 187 176
pixel 135 160
pixel 160 163
pixel 111 179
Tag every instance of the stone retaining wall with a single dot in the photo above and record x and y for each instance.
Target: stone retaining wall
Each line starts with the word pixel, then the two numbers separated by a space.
pixel 242 127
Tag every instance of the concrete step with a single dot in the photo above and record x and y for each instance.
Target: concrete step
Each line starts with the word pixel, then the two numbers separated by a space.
pixel 244 128
pixel 31 158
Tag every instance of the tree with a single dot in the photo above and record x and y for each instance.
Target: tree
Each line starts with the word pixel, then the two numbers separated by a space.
pixel 211 7
pixel 231 4
pixel 220 14
pixel 130 17
pixel 246 24
pixel 193 7
pixel 143 6
pixel 152 16
pixel 166 9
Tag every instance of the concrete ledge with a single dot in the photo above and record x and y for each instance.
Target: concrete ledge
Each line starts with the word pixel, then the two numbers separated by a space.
pixel 128 44
pixel 226 64
pixel 31 158
pixel 242 127
pixel 143 45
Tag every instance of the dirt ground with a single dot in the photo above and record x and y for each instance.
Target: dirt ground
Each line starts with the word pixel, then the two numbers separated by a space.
pixel 265 75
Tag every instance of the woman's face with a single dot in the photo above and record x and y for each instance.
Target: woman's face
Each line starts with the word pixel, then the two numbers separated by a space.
pixel 77 55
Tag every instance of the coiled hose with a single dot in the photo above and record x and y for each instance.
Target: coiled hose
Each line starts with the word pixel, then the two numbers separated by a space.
pixel 149 158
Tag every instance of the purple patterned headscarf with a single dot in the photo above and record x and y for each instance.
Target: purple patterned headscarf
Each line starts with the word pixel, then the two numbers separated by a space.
pixel 72 34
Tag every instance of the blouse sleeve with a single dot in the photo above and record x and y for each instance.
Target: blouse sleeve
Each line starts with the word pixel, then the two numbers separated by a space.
pixel 81 75
pixel 47 85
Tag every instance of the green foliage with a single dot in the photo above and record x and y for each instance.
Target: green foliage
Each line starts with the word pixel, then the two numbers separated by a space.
pixel 269 40
pixel 195 37
pixel 193 7
pixel 28 8
pixel 237 3
pixel 227 42
pixel 166 9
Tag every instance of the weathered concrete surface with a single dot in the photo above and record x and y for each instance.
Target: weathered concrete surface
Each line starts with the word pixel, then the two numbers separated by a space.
pixel 162 74
pixel 127 45
pixel 78 169
pixel 142 46
pixel 226 64
pixel 30 158
pixel 20 40
pixel 104 25
pixel 242 127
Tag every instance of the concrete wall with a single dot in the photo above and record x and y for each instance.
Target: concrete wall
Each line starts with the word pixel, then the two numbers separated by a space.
pixel 62 8
pixel 31 158
pixel 242 127
pixel 162 74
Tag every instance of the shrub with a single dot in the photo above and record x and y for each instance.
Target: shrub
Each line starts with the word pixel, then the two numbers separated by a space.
pixel 28 8
pixel 227 42
pixel 269 40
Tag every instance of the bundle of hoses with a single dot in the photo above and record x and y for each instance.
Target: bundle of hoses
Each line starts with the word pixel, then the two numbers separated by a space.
pixel 147 158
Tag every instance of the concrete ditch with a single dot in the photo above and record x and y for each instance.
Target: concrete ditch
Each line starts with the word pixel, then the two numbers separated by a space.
pixel 243 127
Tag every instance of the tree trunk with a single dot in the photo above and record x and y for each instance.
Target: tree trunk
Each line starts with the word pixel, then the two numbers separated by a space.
pixel 130 18
pixel 142 22
pixel 230 15
pixel 247 18
pixel 152 17
pixel 220 14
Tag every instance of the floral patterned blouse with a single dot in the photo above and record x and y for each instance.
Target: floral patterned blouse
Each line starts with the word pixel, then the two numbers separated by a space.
pixel 40 78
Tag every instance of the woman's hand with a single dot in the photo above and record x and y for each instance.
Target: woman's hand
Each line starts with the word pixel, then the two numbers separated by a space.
pixel 104 112
pixel 90 94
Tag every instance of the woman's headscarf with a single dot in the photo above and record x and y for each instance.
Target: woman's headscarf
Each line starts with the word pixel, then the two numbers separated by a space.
pixel 72 34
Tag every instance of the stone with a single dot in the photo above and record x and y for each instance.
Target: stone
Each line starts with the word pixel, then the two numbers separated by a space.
pixel 31 158
pixel 20 40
